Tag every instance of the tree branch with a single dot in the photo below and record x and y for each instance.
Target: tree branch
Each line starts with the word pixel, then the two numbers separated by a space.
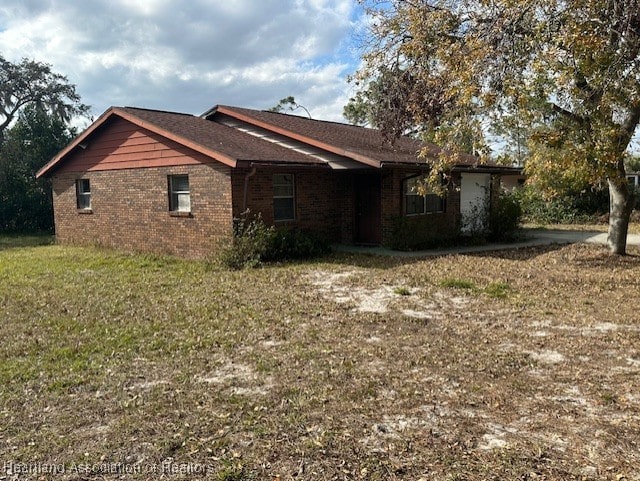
pixel 629 127
pixel 5 124
pixel 568 114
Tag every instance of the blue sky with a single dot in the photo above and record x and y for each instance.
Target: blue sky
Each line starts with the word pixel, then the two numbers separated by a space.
pixel 190 55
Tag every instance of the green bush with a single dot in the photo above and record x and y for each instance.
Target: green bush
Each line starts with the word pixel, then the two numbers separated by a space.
pixel 252 239
pixel 570 208
pixel 505 216
pixel 286 244
pixel 254 243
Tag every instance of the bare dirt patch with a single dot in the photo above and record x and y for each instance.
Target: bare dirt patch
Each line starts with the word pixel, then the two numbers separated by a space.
pixel 239 379
pixel 343 288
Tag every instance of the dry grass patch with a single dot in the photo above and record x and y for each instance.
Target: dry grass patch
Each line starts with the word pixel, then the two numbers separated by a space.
pixel 634 226
pixel 353 368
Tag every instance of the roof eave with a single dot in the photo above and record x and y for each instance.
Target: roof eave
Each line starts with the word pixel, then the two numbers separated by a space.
pixel 480 168
pixel 293 135
pixel 110 112
pixel 417 163
pixel 78 141
pixel 486 168
pixel 281 164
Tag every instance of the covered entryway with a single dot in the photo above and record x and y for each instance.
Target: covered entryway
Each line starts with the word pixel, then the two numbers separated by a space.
pixel 367 209
pixel 475 190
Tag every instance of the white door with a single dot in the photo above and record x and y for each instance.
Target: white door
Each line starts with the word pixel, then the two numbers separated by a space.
pixel 474 202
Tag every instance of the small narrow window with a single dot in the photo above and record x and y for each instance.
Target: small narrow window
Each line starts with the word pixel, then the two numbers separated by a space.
pixel 283 197
pixel 413 201
pixel 415 204
pixel 83 194
pixel 179 195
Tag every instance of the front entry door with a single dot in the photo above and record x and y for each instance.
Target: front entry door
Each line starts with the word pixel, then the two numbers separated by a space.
pixel 367 203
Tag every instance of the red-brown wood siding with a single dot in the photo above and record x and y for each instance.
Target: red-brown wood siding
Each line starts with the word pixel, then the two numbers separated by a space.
pixel 119 144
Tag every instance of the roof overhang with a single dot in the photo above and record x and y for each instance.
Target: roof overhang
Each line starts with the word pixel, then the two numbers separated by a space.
pixel 477 168
pixel 81 140
pixel 293 135
pixel 487 169
pixel 246 164
pixel 418 165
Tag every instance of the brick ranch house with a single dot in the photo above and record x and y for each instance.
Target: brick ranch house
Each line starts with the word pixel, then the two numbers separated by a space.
pixel 166 182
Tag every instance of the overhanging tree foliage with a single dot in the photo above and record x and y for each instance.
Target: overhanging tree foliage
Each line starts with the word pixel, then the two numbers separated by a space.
pixel 568 69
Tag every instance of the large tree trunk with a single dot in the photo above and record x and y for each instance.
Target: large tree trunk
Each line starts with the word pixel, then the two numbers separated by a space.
pixel 621 201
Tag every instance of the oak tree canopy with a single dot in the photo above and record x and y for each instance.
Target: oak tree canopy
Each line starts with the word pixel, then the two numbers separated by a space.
pixel 567 70
pixel 34 83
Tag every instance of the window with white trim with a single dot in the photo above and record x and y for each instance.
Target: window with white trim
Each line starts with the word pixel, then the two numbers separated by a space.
pixel 284 197
pixel 83 194
pixel 415 203
pixel 179 194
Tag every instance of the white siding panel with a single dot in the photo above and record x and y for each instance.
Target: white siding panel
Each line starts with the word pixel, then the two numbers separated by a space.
pixel 474 201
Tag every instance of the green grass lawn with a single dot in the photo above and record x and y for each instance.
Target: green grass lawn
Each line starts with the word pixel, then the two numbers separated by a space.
pixel 520 364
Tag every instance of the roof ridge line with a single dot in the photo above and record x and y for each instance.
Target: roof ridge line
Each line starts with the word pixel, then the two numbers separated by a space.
pixel 335 122
pixel 226 110
pixel 156 110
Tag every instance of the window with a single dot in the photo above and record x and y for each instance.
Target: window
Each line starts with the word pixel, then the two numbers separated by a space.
pixel 283 197
pixel 415 204
pixel 83 194
pixel 179 197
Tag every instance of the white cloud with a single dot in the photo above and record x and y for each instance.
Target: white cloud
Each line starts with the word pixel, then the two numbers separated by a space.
pixel 145 8
pixel 187 56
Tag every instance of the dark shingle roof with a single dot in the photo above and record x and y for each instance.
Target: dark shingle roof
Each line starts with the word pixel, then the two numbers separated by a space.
pixel 234 145
pixel 347 139
pixel 220 138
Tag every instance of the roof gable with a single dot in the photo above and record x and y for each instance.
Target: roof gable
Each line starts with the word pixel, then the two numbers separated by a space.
pixel 216 141
pixel 120 144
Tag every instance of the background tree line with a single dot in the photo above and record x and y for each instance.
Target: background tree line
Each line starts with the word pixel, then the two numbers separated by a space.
pixel 36 105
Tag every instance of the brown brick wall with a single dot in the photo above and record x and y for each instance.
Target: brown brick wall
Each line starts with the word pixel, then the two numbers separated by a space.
pixel 442 225
pixel 130 207
pixel 325 202
pixel 321 199
pixel 130 210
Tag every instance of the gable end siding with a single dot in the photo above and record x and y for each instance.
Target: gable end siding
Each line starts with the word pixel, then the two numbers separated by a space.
pixel 122 145
pixel 130 210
